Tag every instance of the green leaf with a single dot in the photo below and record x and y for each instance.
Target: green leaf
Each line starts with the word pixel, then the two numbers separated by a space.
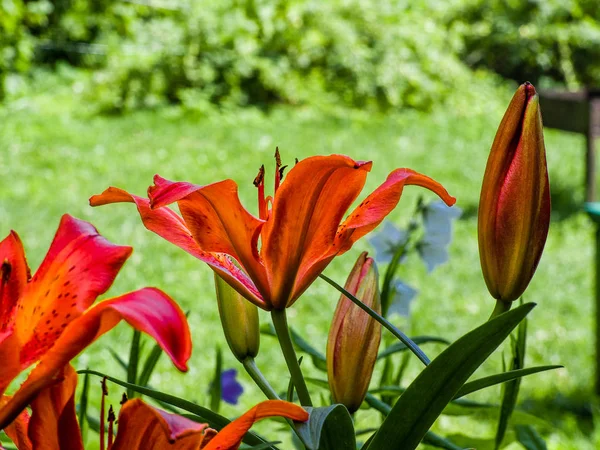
pixel 529 438
pixel 438 441
pixel 384 322
pixel 213 419
pixel 482 383
pixel 82 407
pixel 427 396
pixel 149 365
pixel 396 391
pixel 215 385
pixel 430 437
pixel 511 389
pixel 134 355
pixel 328 428
pixel 400 346
pixel 119 360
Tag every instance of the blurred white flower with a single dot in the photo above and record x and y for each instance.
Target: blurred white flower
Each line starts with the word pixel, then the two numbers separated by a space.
pixel 403 296
pixel 437 221
pixel 386 242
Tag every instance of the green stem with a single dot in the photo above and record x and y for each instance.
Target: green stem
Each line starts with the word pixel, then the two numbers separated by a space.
pixel 260 380
pixel 287 347
pixel 501 307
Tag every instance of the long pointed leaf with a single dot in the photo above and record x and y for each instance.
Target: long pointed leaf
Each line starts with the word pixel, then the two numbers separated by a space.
pixel 427 396
pixel 529 438
pixel 383 321
pixel 511 389
pixel 400 346
pixel 134 356
pixel 149 365
pixel 482 383
pixel 119 360
pixel 82 407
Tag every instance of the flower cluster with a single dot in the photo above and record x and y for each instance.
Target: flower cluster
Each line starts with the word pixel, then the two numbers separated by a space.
pixel 268 262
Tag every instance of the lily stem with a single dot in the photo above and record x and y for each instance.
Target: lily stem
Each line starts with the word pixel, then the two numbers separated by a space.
pixel 287 347
pixel 260 380
pixel 501 307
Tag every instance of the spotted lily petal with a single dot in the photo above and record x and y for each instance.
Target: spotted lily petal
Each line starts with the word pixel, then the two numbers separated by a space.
pixel 14 274
pixel 148 310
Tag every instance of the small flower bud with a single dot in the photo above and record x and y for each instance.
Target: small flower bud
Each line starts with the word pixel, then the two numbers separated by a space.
pixel 354 337
pixel 514 208
pixel 239 318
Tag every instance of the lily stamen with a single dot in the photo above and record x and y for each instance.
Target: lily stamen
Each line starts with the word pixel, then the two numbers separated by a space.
pixel 104 394
pixel 278 170
pixel 111 422
pixel 259 182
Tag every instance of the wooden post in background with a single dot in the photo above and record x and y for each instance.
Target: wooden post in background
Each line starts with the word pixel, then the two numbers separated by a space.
pixel 578 112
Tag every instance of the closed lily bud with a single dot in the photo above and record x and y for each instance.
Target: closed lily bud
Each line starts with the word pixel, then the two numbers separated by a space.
pixel 239 318
pixel 514 208
pixel 354 337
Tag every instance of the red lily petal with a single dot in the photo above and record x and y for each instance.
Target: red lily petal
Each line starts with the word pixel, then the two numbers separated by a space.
pixel 142 427
pixel 9 355
pixel 230 437
pixel 307 210
pixel 14 274
pixel 381 202
pixel 17 430
pixel 217 220
pixel 80 266
pixel 53 423
pixel 148 310
pixel 168 225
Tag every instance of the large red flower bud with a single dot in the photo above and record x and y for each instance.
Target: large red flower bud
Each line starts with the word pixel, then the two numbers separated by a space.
pixel 514 208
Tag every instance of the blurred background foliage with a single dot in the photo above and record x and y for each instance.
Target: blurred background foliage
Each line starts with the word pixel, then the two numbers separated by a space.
pixel 211 88
pixel 259 52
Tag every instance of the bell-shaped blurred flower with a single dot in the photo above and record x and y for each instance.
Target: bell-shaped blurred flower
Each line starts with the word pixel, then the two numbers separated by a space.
pixel 354 337
pixel 437 222
pixel 239 318
pixel 231 389
pixel 387 241
pixel 402 298
pixel 514 208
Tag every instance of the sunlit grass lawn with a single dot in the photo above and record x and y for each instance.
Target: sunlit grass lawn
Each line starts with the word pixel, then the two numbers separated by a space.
pixel 54 154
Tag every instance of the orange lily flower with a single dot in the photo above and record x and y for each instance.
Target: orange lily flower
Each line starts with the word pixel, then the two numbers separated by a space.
pixel 49 319
pixel 53 424
pixel 299 235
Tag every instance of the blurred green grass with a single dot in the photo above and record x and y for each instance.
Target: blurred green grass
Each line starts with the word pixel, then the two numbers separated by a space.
pixel 55 154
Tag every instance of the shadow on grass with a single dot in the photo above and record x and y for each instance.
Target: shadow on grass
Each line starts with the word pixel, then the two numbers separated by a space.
pixel 578 405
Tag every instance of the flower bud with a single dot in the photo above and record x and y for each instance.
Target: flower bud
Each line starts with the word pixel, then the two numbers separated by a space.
pixel 239 318
pixel 354 337
pixel 514 208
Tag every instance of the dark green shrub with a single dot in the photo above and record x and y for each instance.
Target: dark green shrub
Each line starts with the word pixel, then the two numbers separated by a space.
pixel 544 41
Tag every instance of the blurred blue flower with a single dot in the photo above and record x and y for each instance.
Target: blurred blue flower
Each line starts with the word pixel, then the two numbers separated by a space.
pixel 437 221
pixel 387 241
pixel 230 388
pixel 403 296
